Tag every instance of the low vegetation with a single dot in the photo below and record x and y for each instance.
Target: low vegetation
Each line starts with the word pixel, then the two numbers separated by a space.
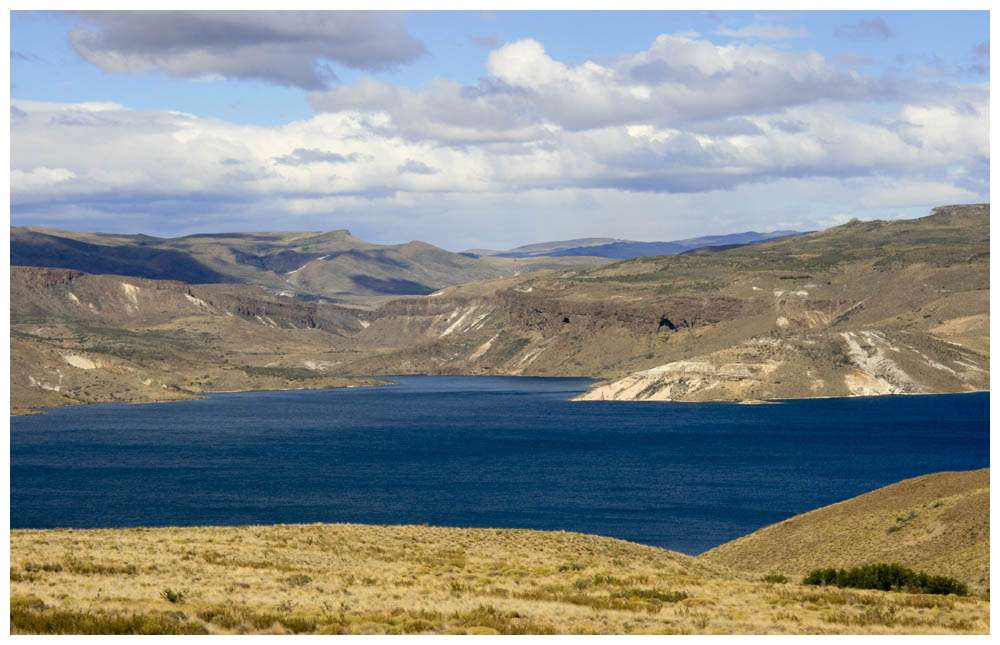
pixel 938 523
pixel 886 577
pixel 356 579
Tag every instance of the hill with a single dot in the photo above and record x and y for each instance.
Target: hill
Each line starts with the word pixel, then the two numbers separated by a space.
pixel 861 309
pixel 355 579
pixel 938 522
pixel 334 266
pixel 606 247
pixel 81 338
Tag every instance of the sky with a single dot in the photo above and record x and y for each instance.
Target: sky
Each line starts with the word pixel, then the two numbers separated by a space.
pixel 484 129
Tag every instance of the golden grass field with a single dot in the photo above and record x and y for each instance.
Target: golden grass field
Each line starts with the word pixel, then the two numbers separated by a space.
pixel 359 579
pixel 937 523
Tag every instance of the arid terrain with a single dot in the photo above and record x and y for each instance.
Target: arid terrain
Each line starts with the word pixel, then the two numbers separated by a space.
pixel 861 309
pixel 867 308
pixel 938 522
pixel 356 579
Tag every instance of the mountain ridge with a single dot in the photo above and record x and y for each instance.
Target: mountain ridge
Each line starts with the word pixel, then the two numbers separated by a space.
pixel 331 265
pixel 616 248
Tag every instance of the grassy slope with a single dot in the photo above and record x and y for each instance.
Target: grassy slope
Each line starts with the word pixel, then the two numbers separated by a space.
pixel 937 523
pixel 339 578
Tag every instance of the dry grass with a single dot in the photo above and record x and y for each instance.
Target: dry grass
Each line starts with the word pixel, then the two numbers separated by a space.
pixel 937 523
pixel 357 579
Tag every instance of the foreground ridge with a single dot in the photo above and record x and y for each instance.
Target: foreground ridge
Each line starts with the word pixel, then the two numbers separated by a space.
pixel 938 522
pixel 361 579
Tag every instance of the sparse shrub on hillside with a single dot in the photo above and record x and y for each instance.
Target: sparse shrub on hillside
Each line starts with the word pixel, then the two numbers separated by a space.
pixel 175 596
pixel 774 578
pixel 886 577
pixel 652 594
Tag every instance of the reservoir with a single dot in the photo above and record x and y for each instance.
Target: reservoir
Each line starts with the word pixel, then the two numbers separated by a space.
pixel 507 452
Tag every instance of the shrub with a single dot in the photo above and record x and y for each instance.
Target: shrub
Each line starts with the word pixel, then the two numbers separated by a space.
pixel 774 577
pixel 175 596
pixel 886 577
pixel 298 580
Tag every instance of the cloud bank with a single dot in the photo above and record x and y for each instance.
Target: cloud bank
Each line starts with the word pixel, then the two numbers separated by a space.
pixel 735 133
pixel 282 47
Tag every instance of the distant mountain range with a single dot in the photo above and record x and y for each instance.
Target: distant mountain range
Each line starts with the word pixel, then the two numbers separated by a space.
pixel 608 247
pixel 333 266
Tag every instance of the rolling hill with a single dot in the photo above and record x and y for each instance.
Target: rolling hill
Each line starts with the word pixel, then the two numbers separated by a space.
pixel 861 309
pixel 334 266
pixel 938 522
pixel 82 338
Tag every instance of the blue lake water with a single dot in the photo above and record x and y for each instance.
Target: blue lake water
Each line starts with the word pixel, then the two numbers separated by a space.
pixel 479 452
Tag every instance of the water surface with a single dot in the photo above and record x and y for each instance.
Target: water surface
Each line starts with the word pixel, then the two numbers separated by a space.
pixel 480 451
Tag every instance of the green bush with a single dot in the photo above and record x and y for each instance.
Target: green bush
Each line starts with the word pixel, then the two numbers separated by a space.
pixel 886 577
pixel 173 595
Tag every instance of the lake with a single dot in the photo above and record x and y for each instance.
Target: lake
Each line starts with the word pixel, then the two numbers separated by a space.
pixel 480 452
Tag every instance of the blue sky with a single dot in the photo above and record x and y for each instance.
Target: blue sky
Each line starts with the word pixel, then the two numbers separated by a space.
pixel 492 129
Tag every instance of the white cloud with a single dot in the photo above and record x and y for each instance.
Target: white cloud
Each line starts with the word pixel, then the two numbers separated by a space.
pixel 38 179
pixel 677 80
pixel 738 134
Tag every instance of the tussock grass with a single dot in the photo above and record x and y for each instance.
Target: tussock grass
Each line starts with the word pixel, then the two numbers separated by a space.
pixel 937 523
pixel 355 579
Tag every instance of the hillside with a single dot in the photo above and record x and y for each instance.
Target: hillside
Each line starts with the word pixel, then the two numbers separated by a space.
pixel 866 308
pixel 355 579
pixel 607 247
pixel 333 265
pixel 860 309
pixel 81 338
pixel 938 522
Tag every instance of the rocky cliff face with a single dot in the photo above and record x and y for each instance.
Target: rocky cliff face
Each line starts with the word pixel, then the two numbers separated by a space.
pixel 78 338
pixel 139 301
pixel 864 363
pixel 869 308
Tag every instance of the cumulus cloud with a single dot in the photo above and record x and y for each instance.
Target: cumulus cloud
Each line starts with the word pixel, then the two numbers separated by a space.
pixel 94 154
pixel 678 79
pixel 875 29
pixel 282 47
pixel 683 126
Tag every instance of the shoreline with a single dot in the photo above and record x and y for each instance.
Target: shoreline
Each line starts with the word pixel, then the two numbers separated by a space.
pixel 196 396
pixel 387 380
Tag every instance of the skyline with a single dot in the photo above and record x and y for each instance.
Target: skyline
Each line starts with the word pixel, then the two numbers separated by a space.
pixel 494 129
